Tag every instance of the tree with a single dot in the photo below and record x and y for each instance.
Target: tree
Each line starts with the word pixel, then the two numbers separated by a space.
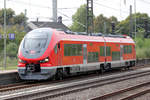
pixel 19 34
pixel 103 24
pixel 79 20
pixel 100 24
pixel 11 18
pixel 20 19
pixel 15 24
pixel 123 27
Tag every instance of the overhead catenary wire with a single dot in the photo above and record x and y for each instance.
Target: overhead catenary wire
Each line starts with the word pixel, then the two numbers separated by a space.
pixel 115 9
pixel 71 18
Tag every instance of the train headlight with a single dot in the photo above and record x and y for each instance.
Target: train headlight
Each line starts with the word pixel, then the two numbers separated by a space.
pixel 44 60
pixel 22 61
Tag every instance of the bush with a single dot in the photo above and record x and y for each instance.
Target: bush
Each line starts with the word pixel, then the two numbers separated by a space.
pixel 142 48
pixel 12 49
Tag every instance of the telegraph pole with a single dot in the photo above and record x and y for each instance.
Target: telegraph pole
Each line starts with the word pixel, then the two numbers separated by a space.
pixel 54 5
pixel 89 14
pixel 5 34
pixel 135 16
pixel 131 22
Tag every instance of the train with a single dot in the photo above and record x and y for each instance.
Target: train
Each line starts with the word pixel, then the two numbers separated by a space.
pixel 46 53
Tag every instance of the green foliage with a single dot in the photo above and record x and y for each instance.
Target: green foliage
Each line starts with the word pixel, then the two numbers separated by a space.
pixel 15 24
pixel 11 18
pixel 142 48
pixel 12 49
pixel 19 34
pixel 124 26
pixel 11 63
pixel 103 24
pixel 20 19
pixel 79 20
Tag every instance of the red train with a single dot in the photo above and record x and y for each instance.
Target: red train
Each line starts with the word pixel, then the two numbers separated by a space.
pixel 45 53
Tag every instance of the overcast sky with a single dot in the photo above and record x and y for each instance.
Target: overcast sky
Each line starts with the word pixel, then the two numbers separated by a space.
pixel 66 8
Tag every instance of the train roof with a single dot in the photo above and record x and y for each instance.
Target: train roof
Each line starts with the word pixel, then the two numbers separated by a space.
pixel 98 37
pixel 115 39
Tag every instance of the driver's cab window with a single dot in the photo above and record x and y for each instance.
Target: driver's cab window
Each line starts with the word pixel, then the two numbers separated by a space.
pixel 57 47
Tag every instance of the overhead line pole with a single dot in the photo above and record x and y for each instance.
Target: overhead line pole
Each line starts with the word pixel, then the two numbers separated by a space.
pixel 131 21
pixel 135 16
pixel 89 20
pixel 54 4
pixel 5 34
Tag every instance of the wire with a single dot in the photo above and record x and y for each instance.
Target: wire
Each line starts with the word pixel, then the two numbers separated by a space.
pixel 21 2
pixel 145 1
pixel 35 5
pixel 71 18
pixel 109 7
pixel 69 8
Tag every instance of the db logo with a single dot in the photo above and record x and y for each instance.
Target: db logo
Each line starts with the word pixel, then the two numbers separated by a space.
pixel 32 52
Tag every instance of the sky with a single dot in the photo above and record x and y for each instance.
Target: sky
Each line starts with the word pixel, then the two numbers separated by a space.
pixel 42 9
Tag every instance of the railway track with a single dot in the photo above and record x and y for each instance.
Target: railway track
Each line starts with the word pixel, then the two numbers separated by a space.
pixel 3 88
pixel 23 85
pixel 28 84
pixel 72 87
pixel 127 93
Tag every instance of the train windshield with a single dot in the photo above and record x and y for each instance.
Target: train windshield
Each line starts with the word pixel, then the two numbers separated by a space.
pixel 35 43
pixel 36 39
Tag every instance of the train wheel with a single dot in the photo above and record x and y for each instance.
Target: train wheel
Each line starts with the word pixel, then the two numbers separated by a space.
pixel 59 74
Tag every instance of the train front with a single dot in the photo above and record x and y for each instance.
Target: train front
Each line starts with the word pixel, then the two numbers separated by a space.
pixel 34 55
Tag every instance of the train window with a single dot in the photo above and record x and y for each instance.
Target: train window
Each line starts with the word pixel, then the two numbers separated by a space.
pixel 93 57
pixel 127 49
pixel 72 49
pixel 115 55
pixel 124 49
pixel 108 51
pixel 55 49
pixel 102 51
pixel 130 49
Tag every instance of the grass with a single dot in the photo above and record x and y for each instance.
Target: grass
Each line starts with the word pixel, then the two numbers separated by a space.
pixel 11 64
pixel 142 48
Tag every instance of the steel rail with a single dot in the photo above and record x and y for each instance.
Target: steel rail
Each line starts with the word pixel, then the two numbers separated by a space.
pixel 110 95
pixel 136 94
pixel 45 93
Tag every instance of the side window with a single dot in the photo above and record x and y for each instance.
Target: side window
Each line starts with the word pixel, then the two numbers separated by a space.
pixel 72 49
pixel 108 51
pixel 124 49
pixel 55 49
pixel 127 49
pixel 115 55
pixel 130 48
pixel 102 51
pixel 93 57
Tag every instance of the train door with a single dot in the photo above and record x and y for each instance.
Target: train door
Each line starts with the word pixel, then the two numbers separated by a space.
pixel 59 54
pixel 121 55
pixel 84 53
